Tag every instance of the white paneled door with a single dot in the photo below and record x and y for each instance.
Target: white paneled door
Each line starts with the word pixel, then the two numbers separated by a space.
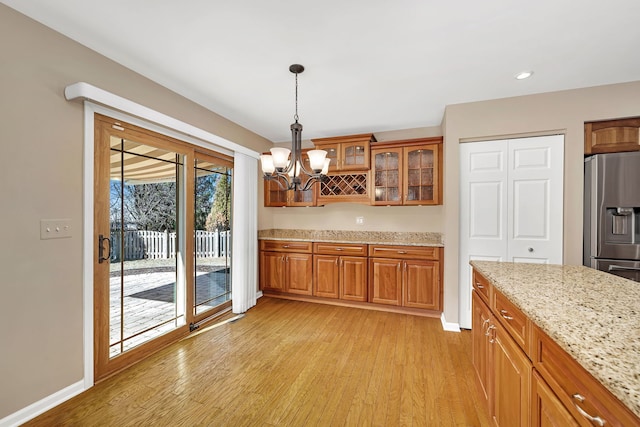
pixel 511 194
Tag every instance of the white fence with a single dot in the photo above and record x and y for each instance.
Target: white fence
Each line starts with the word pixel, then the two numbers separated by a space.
pixel 142 244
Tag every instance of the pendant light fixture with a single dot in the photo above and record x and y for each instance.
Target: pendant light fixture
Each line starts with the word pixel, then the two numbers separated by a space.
pixel 285 169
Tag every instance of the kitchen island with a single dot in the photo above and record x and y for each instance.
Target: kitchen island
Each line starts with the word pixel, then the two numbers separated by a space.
pixel 592 316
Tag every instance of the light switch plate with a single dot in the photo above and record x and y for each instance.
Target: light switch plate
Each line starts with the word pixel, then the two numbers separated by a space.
pixel 55 228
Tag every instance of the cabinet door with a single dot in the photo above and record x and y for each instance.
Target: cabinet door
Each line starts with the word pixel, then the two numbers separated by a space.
pixel 421 284
pixel 355 156
pixel 333 154
pixel 481 348
pixel 299 274
pixel 385 281
pixel 387 176
pixel 272 271
pixel 421 175
pixel 353 278
pixel 512 386
pixel 326 276
pixel 546 409
pixel 274 196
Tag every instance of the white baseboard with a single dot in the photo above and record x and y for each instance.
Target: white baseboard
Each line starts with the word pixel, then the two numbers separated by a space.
pixel 447 326
pixel 43 405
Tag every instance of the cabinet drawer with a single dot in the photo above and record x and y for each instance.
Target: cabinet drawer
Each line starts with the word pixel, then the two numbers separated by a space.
pixel 285 246
pixel 347 249
pixel 576 388
pixel 512 319
pixel 482 287
pixel 404 252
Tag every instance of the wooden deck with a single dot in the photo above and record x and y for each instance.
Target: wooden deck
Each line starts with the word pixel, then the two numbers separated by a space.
pixel 290 363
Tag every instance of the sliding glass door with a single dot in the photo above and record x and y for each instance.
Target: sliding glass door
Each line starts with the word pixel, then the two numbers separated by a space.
pixel 152 284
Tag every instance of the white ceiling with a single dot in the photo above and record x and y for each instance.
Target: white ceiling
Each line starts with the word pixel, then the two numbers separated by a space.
pixel 371 65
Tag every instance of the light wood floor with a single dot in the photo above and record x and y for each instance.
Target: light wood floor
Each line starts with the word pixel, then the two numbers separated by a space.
pixel 289 363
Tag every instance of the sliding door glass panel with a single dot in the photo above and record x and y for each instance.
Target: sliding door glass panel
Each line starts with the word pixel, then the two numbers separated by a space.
pixel 145 198
pixel 212 234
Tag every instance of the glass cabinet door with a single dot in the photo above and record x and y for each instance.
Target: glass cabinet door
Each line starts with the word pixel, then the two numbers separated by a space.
pixel 421 181
pixel 355 156
pixel 332 154
pixel 274 195
pixel 387 176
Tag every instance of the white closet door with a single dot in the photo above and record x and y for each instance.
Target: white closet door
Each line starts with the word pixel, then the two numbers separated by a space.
pixel 511 195
pixel 535 203
pixel 483 211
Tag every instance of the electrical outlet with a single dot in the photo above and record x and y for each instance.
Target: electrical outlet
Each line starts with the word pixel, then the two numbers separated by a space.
pixel 55 228
pixel 359 220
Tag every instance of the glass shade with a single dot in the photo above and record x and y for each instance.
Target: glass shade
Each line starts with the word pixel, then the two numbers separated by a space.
pixel 266 160
pixel 325 168
pixel 280 157
pixel 316 159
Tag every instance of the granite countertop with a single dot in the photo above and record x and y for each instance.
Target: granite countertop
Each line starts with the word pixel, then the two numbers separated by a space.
pixel 594 316
pixel 345 236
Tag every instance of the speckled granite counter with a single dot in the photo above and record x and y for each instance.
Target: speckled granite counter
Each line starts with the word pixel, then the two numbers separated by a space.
pixel 345 236
pixel 592 315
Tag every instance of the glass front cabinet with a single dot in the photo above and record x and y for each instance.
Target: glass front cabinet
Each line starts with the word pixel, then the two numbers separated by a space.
pixel 407 172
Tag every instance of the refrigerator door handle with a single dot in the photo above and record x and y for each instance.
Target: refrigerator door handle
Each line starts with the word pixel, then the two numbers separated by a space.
pixel 623 268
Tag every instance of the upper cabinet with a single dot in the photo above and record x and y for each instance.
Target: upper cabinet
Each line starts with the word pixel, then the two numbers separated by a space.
pixel 275 196
pixel 407 172
pixel 347 153
pixel 612 136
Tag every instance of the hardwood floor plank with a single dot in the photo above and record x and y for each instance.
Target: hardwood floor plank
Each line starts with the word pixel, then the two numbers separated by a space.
pixel 292 363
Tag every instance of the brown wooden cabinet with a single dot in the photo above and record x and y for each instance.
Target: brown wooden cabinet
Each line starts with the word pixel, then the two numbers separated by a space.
pixel 407 172
pixel 526 377
pixel 546 409
pixel 340 271
pixel 481 348
pixel 503 370
pixel 347 153
pixel 407 276
pixel 612 136
pixel 286 267
pixel 581 394
pixel 512 380
pixel 275 196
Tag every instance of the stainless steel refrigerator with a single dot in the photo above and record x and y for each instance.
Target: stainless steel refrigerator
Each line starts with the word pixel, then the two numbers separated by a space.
pixel 612 213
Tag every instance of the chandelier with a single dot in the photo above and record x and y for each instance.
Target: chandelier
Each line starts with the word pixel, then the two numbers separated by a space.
pixel 286 170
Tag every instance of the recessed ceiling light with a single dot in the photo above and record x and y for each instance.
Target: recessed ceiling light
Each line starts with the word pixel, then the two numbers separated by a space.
pixel 524 75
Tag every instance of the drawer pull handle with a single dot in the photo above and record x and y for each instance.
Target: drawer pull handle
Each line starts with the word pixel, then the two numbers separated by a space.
pixel 599 421
pixel 285 246
pixel 505 315
pixel 402 252
pixel 479 286
pixel 339 249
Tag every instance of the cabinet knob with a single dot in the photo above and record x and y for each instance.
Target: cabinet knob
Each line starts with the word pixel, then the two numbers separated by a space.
pixel 530 249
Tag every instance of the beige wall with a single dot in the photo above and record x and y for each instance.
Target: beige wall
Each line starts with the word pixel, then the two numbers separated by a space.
pixel 565 112
pixel 41 177
pixel 342 216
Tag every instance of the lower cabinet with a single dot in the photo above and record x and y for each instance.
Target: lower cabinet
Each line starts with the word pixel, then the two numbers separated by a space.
pixel 407 276
pixel 502 369
pixel 524 375
pixel 546 409
pixel 284 269
pixel 339 272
